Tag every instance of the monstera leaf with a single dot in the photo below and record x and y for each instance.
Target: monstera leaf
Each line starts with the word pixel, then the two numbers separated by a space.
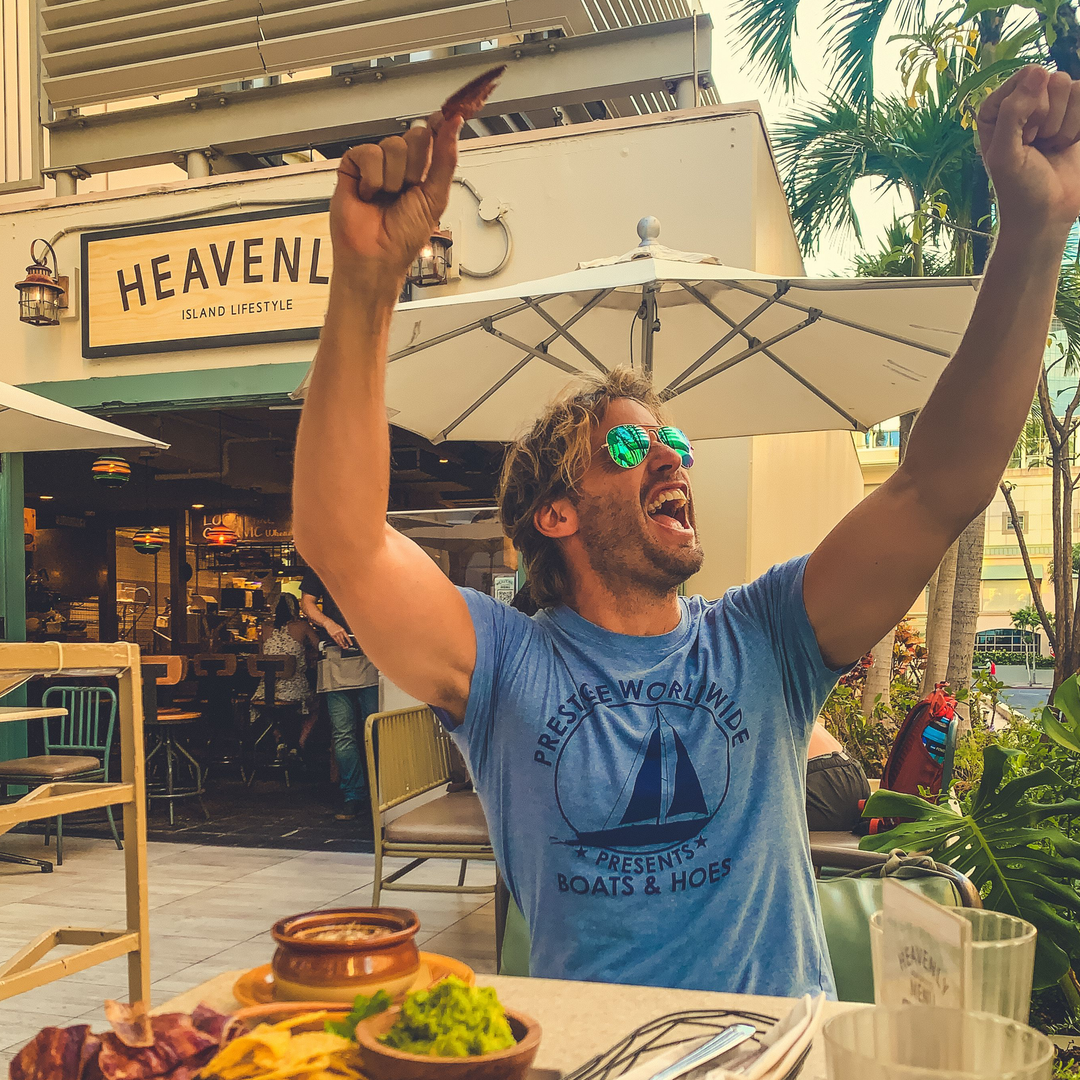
pixel 1064 728
pixel 1020 862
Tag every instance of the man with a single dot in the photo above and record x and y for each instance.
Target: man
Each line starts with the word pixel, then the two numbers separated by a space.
pixel 350 686
pixel 640 757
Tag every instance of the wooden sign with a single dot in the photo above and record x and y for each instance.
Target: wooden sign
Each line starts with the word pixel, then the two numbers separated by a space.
pixel 205 284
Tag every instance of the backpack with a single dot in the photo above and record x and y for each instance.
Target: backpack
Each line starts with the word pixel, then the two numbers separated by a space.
pixel 917 760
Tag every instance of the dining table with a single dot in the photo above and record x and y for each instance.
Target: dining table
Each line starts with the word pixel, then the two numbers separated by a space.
pixel 578 1019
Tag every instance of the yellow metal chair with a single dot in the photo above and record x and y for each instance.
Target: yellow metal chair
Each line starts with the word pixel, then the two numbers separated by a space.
pixel 409 754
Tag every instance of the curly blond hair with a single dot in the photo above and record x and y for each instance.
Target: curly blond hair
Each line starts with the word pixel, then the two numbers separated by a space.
pixel 548 463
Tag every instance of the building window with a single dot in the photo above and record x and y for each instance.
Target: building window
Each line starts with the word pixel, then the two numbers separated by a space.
pixel 1007 521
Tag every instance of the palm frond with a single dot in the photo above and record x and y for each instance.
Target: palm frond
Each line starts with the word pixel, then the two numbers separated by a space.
pixel 853 29
pixel 764 31
pixel 1067 314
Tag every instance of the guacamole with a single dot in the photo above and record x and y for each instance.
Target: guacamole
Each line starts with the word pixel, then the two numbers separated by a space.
pixel 451 1020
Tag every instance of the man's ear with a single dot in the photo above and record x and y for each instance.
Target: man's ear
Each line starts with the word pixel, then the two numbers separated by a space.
pixel 556 519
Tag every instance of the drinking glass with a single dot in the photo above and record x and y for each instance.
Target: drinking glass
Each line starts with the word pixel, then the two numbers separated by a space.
pixel 923 1042
pixel 1002 961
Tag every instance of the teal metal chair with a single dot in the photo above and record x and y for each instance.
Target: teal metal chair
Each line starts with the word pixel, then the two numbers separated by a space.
pixel 77 748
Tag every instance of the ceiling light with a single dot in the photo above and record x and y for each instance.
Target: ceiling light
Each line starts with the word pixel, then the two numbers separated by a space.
pixel 198 506
pixel 444 461
pixel 45 498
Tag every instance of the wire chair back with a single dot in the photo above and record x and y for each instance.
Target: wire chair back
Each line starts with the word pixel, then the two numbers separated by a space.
pixel 411 753
pixel 90 720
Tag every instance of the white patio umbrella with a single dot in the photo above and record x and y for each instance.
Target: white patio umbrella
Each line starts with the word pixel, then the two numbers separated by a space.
pixel 29 422
pixel 734 352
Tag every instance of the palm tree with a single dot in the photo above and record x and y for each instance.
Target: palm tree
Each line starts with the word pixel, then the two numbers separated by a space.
pixel 924 153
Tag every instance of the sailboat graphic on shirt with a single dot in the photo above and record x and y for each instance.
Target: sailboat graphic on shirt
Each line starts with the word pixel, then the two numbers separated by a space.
pixel 661 801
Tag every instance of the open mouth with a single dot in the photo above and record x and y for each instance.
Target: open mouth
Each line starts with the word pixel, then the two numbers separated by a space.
pixel 670 509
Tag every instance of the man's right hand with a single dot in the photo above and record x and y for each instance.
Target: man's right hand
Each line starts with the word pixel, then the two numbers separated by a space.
pixel 338 633
pixel 389 198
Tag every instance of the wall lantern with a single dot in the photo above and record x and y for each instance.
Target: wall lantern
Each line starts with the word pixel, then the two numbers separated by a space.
pixel 432 263
pixel 40 292
pixel 148 541
pixel 220 536
pixel 112 472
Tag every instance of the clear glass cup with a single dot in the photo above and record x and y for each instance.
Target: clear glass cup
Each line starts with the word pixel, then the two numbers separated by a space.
pixel 922 1042
pixel 1002 961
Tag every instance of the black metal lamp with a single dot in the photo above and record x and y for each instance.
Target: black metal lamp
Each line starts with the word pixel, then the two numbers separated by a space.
pixel 431 265
pixel 40 292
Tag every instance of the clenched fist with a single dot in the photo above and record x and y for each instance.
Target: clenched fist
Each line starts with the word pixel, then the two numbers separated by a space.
pixel 389 198
pixel 1028 134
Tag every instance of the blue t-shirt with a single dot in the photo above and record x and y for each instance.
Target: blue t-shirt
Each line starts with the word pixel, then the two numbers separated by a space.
pixel 646 795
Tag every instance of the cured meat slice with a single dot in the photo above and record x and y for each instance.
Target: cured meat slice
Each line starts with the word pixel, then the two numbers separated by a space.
pixel 56 1054
pixel 470 99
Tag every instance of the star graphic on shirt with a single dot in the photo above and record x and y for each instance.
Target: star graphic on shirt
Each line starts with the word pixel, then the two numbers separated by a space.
pixel 580 853
pixel 701 841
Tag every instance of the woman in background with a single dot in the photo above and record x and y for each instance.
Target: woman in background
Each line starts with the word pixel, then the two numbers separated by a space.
pixel 291 636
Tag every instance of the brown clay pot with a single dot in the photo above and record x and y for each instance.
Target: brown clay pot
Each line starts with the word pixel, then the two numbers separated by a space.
pixel 306 970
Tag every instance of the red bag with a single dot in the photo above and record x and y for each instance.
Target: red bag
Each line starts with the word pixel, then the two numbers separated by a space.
pixel 916 761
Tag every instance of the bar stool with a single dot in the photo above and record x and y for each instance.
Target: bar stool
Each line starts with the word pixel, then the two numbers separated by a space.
pixel 166 724
pixel 215 673
pixel 268 669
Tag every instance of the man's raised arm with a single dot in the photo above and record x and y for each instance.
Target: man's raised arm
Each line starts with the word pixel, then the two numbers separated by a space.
pixel 407 617
pixel 865 575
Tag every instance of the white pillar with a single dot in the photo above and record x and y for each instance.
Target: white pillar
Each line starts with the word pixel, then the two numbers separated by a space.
pixel 198 164
pixel 66 184
pixel 684 94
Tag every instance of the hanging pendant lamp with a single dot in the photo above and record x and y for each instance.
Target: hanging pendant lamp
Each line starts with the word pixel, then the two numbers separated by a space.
pixel 220 536
pixel 148 541
pixel 110 471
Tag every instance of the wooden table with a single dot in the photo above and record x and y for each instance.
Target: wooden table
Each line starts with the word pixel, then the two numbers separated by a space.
pixel 579 1019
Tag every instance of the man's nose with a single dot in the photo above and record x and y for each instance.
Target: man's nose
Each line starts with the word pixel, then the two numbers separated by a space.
pixel 662 456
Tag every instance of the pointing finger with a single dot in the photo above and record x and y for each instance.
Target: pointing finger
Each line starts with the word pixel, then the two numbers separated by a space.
pixel 443 164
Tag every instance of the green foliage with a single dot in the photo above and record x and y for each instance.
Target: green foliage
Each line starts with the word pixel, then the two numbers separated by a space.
pixel 924 153
pixel 1062 722
pixel 1001 656
pixel 1009 846
pixel 867 740
pixel 896 257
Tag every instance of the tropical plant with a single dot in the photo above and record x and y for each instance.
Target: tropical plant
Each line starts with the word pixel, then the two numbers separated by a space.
pixel 1011 849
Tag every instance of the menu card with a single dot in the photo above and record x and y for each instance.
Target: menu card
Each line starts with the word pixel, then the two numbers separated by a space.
pixel 926 951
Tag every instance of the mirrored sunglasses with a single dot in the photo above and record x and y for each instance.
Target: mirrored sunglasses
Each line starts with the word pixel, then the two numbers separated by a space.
pixel 628 444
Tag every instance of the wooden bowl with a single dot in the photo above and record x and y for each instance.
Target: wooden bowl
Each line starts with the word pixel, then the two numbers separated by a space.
pixel 309 970
pixel 381 1062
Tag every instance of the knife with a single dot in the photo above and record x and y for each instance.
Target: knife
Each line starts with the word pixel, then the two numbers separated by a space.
pixel 728 1039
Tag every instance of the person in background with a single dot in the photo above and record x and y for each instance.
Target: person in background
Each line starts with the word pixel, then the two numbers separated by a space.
pixel 291 636
pixel 835 785
pixel 351 687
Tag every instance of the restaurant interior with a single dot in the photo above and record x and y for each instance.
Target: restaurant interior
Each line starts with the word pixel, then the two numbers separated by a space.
pixel 186 551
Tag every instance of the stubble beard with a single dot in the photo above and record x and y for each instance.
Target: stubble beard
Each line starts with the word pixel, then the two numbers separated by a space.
pixel 623 555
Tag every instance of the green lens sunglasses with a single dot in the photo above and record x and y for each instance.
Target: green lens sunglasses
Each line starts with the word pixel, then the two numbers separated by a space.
pixel 628 444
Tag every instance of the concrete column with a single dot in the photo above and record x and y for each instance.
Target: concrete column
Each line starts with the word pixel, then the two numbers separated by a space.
pixel 12 588
pixel 684 94
pixel 67 183
pixel 198 164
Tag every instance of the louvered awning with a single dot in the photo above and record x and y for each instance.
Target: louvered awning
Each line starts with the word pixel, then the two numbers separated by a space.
pixel 94 51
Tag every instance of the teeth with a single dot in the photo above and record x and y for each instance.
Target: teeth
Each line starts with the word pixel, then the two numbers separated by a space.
pixel 669 496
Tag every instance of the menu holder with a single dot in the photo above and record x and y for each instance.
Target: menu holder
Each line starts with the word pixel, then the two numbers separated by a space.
pixel 925 956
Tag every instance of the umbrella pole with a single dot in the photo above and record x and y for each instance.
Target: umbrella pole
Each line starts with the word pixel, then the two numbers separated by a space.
pixel 650 324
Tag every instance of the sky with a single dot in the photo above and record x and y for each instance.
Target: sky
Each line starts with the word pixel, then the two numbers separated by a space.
pixel 734 83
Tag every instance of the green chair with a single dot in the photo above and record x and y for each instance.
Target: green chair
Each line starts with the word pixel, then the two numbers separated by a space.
pixel 847 902
pixel 77 748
